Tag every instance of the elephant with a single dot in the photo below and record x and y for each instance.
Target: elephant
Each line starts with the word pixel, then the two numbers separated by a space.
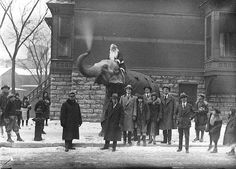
pixel 107 72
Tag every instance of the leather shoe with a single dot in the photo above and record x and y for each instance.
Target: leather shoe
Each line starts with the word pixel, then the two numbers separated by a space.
pixel 66 149
pixel 179 150
pixel 163 142
pixel 72 148
pixel 187 151
pixel 104 148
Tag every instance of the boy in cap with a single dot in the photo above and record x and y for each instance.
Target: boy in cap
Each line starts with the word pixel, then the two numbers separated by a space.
pixel 142 119
pixel 3 103
pixel 200 117
pixel 10 116
pixel 113 123
pixel 128 102
pixel 184 114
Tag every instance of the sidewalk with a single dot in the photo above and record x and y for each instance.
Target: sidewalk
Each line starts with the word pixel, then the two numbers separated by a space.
pixel 88 137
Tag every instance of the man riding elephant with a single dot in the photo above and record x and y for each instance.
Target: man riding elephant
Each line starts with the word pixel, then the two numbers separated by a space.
pixel 107 72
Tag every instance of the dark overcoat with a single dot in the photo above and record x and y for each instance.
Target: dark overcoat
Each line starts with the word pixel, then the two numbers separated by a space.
pixel 70 120
pixel 47 103
pixel 167 108
pixel 143 116
pixel 3 104
pixel 184 115
pixel 112 122
pixel 230 132
pixel 201 115
pixel 129 106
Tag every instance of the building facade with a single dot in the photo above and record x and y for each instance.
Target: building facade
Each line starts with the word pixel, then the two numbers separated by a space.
pixel 187 44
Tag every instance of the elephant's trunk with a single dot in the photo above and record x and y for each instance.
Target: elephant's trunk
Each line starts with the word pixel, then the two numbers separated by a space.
pixel 86 71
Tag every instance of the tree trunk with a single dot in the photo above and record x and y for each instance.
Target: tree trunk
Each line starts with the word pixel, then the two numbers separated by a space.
pixel 13 77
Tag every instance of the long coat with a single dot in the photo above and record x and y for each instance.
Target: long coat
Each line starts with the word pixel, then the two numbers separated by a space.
pixel 184 115
pixel 201 115
pixel 3 104
pixel 155 114
pixel 129 107
pixel 214 130
pixel 113 121
pixel 143 116
pixel 167 108
pixel 230 131
pixel 70 120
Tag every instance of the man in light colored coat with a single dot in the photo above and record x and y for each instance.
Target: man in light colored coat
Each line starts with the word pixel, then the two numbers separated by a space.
pixel 167 107
pixel 128 102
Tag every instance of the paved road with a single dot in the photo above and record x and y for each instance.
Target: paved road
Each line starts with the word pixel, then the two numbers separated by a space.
pixel 93 157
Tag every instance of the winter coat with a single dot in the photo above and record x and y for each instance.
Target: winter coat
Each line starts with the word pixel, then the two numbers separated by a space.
pixel 142 117
pixel 10 109
pixel 155 117
pixel 3 104
pixel 40 106
pixel 214 130
pixel 201 115
pixel 184 115
pixel 70 118
pixel 25 108
pixel 167 108
pixel 47 103
pixel 113 121
pixel 129 107
pixel 230 132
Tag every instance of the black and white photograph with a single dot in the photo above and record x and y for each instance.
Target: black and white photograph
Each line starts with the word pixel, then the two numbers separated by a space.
pixel 117 84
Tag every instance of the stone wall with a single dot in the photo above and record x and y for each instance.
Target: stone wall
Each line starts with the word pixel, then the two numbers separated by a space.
pixel 223 103
pixel 91 96
pixel 60 86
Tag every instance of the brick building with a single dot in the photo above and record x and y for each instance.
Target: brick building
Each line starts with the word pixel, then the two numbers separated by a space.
pixel 189 44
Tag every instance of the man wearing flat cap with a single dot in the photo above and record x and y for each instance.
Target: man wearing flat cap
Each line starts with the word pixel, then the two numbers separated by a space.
pixel 184 113
pixel 129 104
pixel 3 103
pixel 113 122
pixel 71 120
pixel 200 117
pixel 10 117
pixel 167 109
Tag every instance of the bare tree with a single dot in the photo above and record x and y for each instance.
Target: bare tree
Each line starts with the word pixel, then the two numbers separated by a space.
pixel 38 46
pixel 5 13
pixel 20 32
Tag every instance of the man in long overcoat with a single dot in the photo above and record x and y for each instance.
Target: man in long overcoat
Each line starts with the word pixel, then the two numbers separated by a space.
pixel 113 122
pixel 128 102
pixel 3 104
pixel 230 133
pixel 70 120
pixel 184 113
pixel 167 108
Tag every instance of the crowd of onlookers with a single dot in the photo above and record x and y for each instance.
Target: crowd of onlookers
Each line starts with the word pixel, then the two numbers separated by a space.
pixel 131 117
pixel 15 112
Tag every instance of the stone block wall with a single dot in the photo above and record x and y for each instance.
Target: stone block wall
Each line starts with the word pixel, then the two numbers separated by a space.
pixel 89 96
pixel 223 103
pixel 60 86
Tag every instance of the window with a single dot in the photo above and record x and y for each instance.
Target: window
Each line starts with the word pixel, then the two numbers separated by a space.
pixel 208 37
pixel 64 36
pixel 228 44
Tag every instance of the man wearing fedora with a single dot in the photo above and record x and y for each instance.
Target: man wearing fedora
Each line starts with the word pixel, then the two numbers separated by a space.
pixel 128 102
pixel 113 122
pixel 201 117
pixel 167 109
pixel 3 102
pixel 184 114
pixel 71 120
